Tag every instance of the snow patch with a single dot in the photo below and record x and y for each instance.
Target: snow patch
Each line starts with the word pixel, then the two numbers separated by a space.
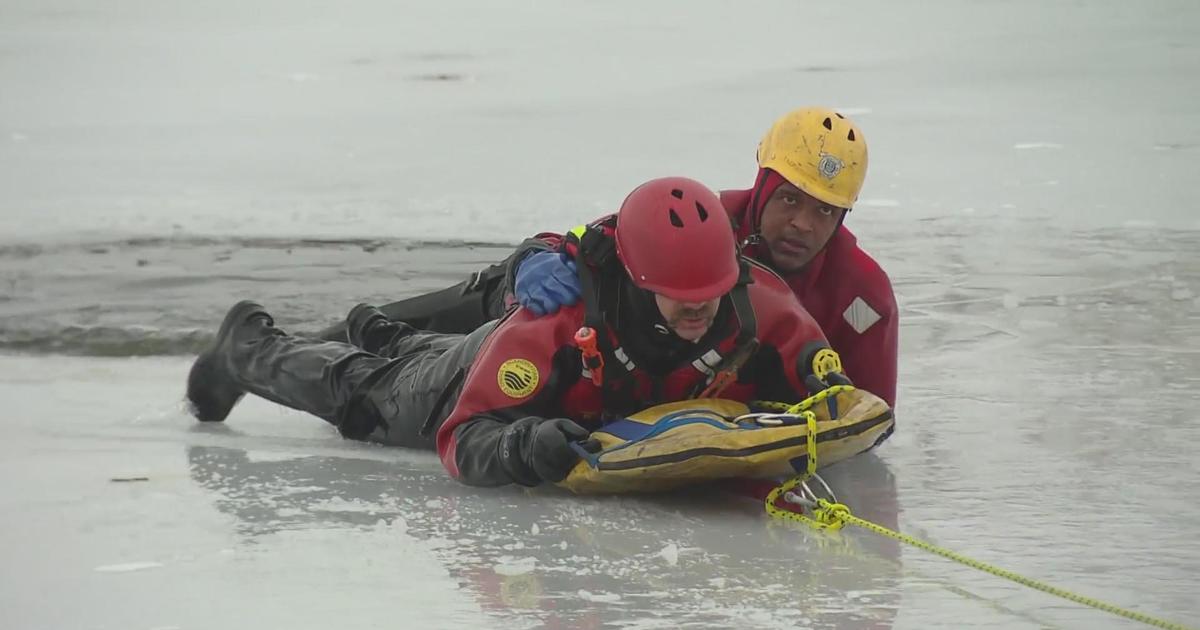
pixel 1037 145
pixel 271 456
pixel 127 567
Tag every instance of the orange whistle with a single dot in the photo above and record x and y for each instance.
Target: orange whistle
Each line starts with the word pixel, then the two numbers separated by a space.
pixel 585 339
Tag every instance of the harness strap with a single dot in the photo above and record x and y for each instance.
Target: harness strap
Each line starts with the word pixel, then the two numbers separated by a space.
pixel 746 342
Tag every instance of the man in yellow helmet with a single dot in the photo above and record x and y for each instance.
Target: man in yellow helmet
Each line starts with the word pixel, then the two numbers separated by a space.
pixel 811 166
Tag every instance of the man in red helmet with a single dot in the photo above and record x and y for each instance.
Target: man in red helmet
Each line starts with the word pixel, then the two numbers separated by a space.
pixel 812 164
pixel 511 401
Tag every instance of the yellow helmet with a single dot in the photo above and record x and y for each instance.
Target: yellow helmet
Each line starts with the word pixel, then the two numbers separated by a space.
pixel 820 152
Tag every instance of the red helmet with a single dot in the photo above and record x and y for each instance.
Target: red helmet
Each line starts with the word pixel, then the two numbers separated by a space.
pixel 675 238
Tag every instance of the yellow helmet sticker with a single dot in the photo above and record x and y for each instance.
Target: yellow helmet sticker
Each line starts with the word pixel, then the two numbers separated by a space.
pixel 826 361
pixel 517 378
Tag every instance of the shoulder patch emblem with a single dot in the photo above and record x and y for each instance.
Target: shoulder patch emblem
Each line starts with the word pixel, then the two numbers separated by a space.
pixel 517 378
pixel 825 361
pixel 860 315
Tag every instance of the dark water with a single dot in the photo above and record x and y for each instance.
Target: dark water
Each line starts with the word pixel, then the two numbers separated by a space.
pixel 165 296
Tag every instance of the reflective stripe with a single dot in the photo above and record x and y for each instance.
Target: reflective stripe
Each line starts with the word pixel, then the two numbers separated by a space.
pixel 860 315
pixel 707 364
pixel 624 359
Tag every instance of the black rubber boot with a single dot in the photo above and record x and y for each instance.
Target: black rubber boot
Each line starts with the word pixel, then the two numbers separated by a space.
pixel 212 388
pixel 370 329
pixel 250 355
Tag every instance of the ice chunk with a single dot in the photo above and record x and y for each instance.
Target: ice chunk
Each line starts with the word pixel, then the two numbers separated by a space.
pixel 670 553
pixel 606 598
pixel 515 566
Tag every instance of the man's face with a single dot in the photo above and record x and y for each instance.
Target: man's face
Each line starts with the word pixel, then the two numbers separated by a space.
pixel 688 320
pixel 796 227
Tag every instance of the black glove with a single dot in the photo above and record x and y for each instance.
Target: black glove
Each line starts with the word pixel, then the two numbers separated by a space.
pixel 539 449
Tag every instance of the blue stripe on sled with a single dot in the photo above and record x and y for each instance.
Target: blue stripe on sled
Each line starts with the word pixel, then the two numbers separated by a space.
pixel 633 431
pixel 626 429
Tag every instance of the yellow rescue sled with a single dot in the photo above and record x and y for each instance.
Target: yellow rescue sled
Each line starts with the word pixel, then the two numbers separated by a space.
pixel 690 441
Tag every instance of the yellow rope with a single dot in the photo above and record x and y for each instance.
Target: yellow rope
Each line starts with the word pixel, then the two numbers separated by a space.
pixel 833 516
pixel 829 516
pixel 805 404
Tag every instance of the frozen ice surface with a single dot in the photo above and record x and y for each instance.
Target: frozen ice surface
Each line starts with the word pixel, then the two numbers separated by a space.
pixel 1031 194
pixel 1021 482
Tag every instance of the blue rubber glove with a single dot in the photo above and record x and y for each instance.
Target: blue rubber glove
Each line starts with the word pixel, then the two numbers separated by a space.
pixel 547 281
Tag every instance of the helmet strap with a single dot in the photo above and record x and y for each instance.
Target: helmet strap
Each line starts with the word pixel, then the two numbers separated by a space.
pixel 746 342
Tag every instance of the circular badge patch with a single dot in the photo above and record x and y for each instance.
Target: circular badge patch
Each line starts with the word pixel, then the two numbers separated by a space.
pixel 829 166
pixel 517 378
pixel 826 361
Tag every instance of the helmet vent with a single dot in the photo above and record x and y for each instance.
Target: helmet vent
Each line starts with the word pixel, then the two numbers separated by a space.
pixel 702 212
pixel 828 123
pixel 676 193
pixel 850 136
pixel 675 220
